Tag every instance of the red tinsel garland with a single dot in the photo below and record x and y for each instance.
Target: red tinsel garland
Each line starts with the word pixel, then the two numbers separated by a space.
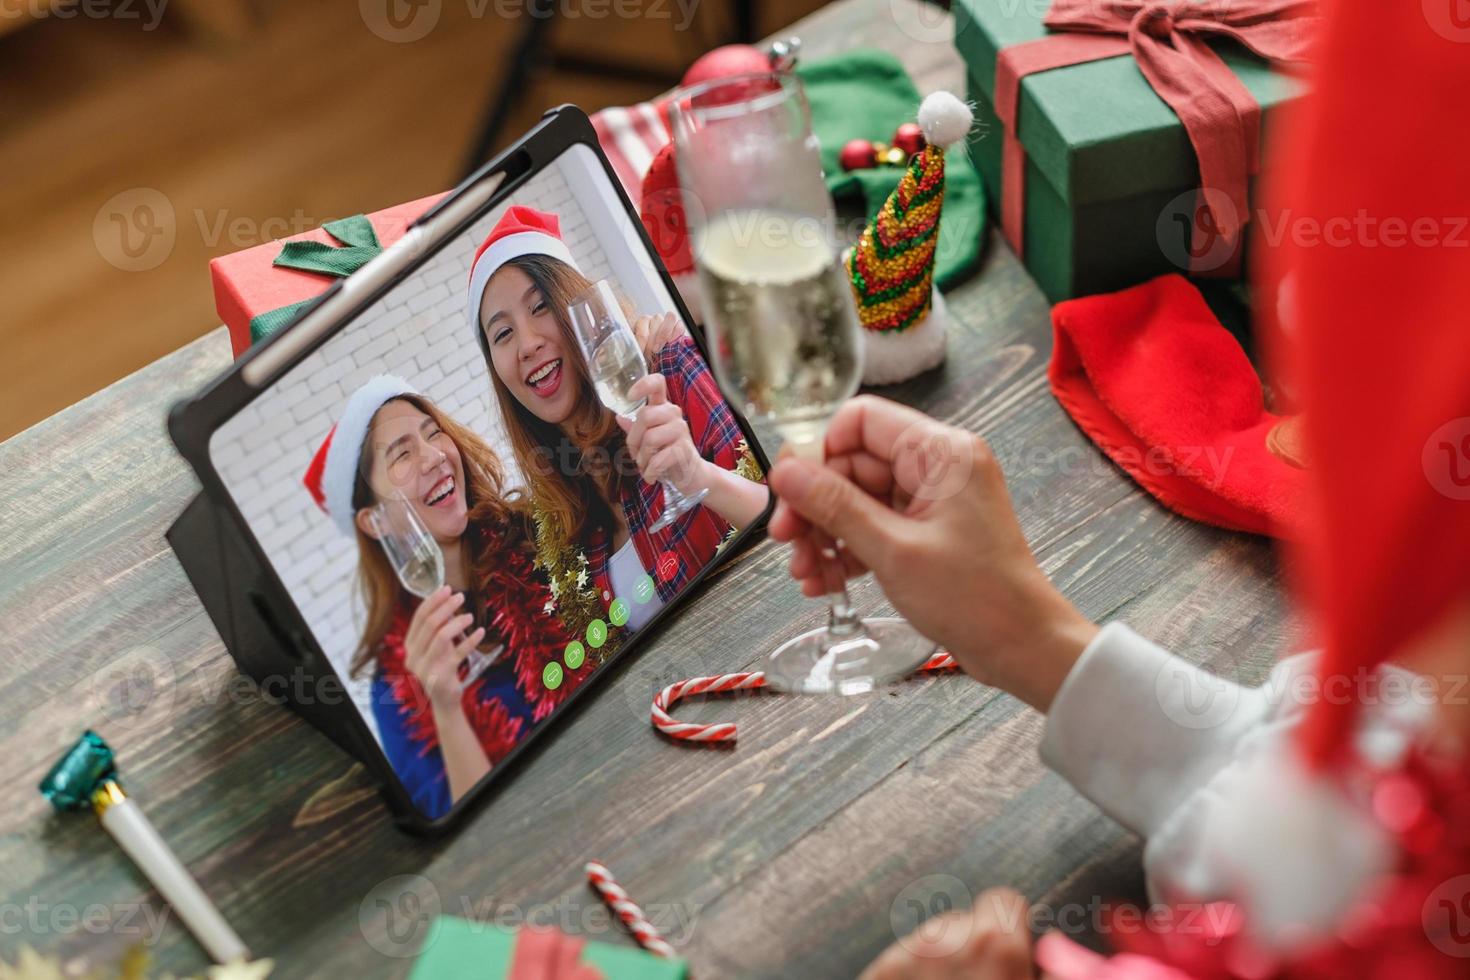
pixel 534 637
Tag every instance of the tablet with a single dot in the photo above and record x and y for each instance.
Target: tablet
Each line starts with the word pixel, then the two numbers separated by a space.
pixel 481 470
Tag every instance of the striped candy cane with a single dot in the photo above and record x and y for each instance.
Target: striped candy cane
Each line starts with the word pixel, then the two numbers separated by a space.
pixel 724 731
pixel 627 910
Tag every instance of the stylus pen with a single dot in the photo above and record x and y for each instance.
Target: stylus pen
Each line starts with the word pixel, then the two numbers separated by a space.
pixel 87 774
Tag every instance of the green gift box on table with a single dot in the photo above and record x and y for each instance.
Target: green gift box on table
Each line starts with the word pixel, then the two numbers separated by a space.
pixel 458 949
pixel 1110 181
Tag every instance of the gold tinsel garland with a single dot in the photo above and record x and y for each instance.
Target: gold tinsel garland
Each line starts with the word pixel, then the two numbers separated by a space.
pixel 745 466
pixel 574 595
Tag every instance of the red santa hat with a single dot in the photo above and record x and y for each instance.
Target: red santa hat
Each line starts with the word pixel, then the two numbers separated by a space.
pixel 333 470
pixel 520 231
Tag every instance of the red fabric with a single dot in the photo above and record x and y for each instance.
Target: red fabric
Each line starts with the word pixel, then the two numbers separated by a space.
pixel 549 954
pixel 1382 357
pixel 1167 393
pixel 1168 40
pixel 312 480
pixel 517 219
pixel 247 283
pixel 661 208
pixel 1406 924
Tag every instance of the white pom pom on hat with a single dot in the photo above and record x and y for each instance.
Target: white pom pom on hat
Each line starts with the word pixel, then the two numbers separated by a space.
pixel 333 470
pixel 944 118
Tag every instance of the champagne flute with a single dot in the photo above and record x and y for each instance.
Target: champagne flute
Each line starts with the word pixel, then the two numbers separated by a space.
pixel 418 562
pixel 784 334
pixel 616 363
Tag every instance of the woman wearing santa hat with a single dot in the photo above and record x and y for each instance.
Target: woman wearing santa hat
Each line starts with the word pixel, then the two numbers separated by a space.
pixel 1317 826
pixel 591 507
pixel 393 444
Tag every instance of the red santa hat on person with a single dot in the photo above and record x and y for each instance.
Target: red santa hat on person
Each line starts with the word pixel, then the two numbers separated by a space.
pixel 520 231
pixel 333 470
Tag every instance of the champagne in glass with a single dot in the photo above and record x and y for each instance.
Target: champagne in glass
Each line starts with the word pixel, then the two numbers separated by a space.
pixel 418 561
pixel 422 571
pixel 615 363
pixel 791 344
pixel 783 326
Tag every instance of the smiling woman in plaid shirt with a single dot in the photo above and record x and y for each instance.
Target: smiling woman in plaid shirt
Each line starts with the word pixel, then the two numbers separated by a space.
pixel 593 475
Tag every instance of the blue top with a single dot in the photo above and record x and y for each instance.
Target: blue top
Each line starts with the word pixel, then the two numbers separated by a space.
pixel 422 773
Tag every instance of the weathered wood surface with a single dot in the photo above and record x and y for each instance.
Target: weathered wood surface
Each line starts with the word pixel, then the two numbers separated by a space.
pixel 793 854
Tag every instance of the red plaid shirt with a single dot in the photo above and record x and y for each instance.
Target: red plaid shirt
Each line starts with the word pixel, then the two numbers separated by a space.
pixel 694 537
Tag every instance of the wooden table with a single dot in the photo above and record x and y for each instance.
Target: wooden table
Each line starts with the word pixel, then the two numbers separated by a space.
pixel 793 854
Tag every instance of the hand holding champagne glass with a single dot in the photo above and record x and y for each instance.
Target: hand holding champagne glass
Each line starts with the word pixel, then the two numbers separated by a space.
pixel 419 564
pixel 616 363
pixel 784 334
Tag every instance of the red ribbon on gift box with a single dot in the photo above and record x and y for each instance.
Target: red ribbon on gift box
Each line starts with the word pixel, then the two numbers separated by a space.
pixel 1168 40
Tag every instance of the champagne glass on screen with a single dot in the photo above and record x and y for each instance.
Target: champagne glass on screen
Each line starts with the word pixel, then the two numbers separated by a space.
pixel 615 363
pixel 419 564
pixel 784 335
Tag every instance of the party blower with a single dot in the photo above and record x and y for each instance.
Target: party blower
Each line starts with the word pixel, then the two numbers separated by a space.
pixel 87 773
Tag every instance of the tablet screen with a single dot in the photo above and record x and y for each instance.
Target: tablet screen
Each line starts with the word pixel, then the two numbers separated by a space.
pixel 482 486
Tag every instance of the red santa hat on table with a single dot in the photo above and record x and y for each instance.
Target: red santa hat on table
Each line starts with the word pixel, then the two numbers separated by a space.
pixel 520 231
pixel 333 470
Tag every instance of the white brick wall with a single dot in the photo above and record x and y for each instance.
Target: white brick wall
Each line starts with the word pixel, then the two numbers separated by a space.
pixel 419 332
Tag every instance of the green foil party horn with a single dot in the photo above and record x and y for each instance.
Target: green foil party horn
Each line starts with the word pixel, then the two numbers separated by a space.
pixel 87 774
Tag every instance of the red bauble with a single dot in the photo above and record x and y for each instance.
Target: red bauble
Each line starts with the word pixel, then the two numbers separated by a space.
pixel 663 214
pixel 909 138
pixel 858 155
pixel 732 59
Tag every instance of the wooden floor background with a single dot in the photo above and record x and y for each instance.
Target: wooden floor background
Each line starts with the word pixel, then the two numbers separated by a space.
pixel 303 116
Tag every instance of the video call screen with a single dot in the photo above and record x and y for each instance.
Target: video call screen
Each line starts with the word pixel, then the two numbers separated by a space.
pixel 480 488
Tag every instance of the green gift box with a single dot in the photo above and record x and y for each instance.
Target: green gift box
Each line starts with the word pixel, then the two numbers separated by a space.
pixel 457 949
pixel 1111 181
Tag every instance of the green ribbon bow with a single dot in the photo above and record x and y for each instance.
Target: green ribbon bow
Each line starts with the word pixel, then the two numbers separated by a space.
pixel 359 245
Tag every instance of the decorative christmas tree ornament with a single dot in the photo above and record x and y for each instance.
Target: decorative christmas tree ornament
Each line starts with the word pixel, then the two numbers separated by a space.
pixel 909 137
pixel 728 60
pixel 893 156
pixel 858 154
pixel 637 142
pixel 892 264
pixel 87 775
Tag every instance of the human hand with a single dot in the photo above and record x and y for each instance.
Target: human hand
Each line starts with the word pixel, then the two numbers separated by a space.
pixel 659 440
pixel 434 649
pixel 654 332
pixel 924 506
pixel 988 941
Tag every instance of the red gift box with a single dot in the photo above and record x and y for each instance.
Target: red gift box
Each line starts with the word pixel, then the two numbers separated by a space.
pixel 247 283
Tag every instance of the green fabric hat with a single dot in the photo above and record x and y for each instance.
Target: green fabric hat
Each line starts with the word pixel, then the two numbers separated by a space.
pixel 866 94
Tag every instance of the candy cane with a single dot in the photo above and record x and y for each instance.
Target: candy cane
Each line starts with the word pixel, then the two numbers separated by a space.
pixel 724 731
pixel 627 910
